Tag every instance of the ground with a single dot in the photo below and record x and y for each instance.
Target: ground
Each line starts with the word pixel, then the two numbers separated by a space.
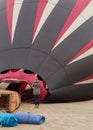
pixel 59 116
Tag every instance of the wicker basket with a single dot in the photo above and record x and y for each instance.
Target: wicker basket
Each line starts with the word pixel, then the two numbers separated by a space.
pixel 9 100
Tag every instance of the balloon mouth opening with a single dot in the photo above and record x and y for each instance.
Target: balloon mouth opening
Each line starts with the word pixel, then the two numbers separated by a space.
pixel 20 80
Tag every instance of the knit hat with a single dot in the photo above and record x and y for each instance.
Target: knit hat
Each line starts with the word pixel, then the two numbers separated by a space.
pixel 36 78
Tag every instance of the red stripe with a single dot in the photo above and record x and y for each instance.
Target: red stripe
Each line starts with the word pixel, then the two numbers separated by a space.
pixel 40 9
pixel 79 7
pixel 86 48
pixel 23 86
pixel 15 70
pixel 9 13
pixel 87 78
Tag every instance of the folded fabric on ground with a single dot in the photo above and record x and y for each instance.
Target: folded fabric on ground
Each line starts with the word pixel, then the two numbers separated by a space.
pixel 8 120
pixel 29 118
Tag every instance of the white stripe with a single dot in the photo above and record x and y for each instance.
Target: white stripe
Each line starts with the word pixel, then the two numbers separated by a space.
pixel 48 9
pixel 16 11
pixel 87 53
pixel 83 17
pixel 4 85
pixel 27 87
pixel 85 82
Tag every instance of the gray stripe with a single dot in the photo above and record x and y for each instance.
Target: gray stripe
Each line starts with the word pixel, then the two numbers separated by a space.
pixel 25 25
pixel 5 42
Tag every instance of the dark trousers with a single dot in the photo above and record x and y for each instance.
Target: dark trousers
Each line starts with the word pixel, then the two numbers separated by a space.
pixel 37 101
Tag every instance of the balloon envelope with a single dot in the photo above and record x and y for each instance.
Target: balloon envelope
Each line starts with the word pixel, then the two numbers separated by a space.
pixel 52 38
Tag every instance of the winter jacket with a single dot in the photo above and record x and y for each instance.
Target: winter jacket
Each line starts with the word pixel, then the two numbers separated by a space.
pixel 36 88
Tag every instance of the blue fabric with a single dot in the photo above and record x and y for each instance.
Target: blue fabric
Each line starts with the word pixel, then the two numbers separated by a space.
pixel 8 120
pixel 29 118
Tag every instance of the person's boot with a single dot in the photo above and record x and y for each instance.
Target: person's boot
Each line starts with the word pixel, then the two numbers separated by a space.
pixel 35 106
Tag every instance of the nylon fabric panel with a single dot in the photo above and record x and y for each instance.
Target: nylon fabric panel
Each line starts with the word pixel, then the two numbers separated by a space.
pixel 48 67
pixel 25 25
pixel 80 69
pixel 2 5
pixel 5 42
pixel 71 94
pixel 19 57
pixel 50 31
pixel 34 60
pixel 58 80
pixel 74 43
pixel 5 60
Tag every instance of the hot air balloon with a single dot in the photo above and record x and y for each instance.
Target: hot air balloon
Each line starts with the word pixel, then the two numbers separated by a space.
pixel 51 38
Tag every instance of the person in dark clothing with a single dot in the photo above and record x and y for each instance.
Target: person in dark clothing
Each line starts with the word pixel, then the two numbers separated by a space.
pixel 36 92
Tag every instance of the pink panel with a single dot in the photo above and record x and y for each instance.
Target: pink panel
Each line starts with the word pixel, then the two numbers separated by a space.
pixel 9 13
